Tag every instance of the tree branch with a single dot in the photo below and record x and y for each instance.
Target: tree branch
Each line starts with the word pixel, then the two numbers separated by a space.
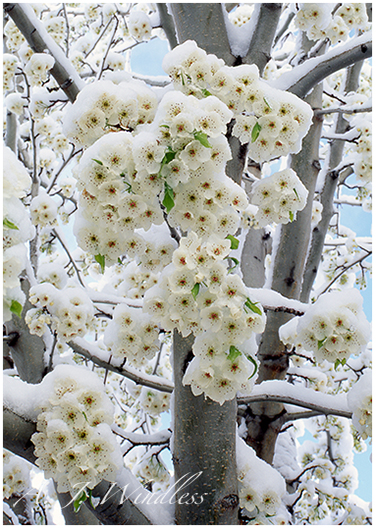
pixel 11 131
pixel 262 38
pixel 203 23
pixel 307 75
pixel 282 391
pixel 342 110
pixel 158 438
pixel 334 159
pixel 39 40
pixel 167 24
pixel 94 354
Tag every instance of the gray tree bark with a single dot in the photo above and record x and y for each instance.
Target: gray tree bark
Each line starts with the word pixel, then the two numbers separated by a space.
pixel 204 441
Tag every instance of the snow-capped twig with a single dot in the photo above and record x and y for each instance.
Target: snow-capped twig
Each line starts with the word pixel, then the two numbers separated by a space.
pixel 281 391
pixel 342 110
pixel 97 356
pixel 157 438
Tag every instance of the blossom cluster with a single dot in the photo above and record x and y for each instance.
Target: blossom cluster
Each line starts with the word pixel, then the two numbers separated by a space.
pixel 10 63
pixel 43 209
pixel 278 197
pixel 359 399
pixel 271 121
pixel 132 335
pixel 177 161
pixel 17 230
pixel 139 25
pixel 105 106
pixel 196 294
pixel 320 21
pixel 16 474
pixel 69 311
pixel 333 328
pixel 37 68
pixel 56 27
pixel 74 443
pixel 154 402
pixel 14 38
pixel 261 487
pixel 241 14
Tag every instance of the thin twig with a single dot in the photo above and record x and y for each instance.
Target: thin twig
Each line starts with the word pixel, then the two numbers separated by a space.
pixel 108 47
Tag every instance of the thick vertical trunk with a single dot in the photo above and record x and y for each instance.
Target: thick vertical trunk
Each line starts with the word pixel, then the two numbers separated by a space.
pixel 203 446
pixel 263 419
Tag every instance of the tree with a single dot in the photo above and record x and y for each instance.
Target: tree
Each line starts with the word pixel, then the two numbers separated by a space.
pixel 212 274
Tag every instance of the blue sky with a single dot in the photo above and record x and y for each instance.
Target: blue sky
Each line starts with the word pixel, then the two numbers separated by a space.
pixel 147 59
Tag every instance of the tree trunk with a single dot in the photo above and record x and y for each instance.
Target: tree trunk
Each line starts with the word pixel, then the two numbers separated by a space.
pixel 263 419
pixel 203 444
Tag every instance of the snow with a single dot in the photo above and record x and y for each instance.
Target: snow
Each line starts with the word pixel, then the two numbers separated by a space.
pixel 270 298
pixel 290 78
pixel 240 37
pixel 304 397
pixel 153 510
pixel 22 398
pixel 134 374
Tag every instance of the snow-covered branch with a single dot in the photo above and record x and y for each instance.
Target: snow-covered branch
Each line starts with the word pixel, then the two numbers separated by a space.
pixel 39 40
pixel 274 301
pixel 101 359
pixel 281 391
pixel 304 77
pixel 343 110
pixel 159 438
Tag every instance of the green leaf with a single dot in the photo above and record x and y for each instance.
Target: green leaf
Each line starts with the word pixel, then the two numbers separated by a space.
pixel 237 263
pixel 182 79
pixel 296 193
pixel 16 308
pixel 253 307
pixel 267 104
pixel 168 200
pixel 291 215
pixel 234 242
pixel 253 361
pixel 167 158
pixel 195 290
pixel 339 362
pixel 90 498
pixel 165 126
pixel 255 132
pixel 97 161
pixel 202 138
pixel 205 92
pixel 9 224
pixel 320 343
pixel 84 414
pixel 79 501
pixel 100 260
pixel 233 353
